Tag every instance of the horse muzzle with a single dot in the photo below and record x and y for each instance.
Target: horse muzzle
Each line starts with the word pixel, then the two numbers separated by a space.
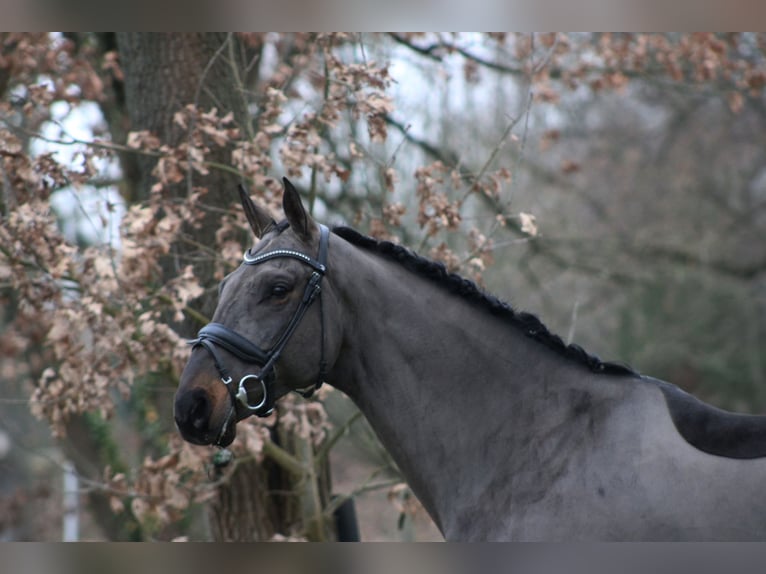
pixel 253 394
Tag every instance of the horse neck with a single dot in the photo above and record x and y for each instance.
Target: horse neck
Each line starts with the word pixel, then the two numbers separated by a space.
pixel 448 387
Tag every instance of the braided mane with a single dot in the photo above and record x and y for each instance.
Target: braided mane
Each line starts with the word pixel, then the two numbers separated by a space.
pixel 436 272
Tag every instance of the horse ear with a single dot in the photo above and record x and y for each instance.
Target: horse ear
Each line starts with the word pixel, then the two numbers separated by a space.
pixel 299 220
pixel 259 219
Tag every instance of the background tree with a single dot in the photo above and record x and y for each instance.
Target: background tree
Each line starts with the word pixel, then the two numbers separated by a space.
pixel 616 183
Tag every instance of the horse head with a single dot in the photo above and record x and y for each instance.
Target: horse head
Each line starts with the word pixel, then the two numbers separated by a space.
pixel 271 332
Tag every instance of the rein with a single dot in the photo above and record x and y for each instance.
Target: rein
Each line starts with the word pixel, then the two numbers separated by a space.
pixel 215 335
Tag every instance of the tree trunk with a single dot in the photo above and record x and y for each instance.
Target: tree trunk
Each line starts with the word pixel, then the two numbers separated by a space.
pixel 243 511
pixel 162 74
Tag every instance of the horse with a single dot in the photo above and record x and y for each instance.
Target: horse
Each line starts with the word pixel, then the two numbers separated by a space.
pixel 502 430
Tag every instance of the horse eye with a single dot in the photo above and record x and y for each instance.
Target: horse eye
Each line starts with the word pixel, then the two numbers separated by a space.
pixel 279 291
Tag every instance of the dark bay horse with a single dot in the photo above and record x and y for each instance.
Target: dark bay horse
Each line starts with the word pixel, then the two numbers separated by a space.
pixel 502 431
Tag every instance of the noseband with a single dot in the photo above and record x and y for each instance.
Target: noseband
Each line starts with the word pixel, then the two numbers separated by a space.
pixel 215 335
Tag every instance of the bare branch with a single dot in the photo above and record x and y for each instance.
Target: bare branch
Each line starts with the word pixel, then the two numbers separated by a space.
pixel 428 51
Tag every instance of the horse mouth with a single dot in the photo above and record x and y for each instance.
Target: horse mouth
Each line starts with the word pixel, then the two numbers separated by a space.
pixel 226 436
pixel 223 438
pixel 228 429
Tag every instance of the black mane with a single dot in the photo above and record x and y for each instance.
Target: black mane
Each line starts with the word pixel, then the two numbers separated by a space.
pixel 437 272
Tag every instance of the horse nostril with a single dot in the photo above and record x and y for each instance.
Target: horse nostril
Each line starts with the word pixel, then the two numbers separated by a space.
pixel 192 411
pixel 199 415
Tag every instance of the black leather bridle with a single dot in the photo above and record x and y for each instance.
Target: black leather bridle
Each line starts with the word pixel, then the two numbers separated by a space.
pixel 215 335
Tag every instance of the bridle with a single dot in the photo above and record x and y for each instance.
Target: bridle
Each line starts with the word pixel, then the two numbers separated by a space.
pixel 215 335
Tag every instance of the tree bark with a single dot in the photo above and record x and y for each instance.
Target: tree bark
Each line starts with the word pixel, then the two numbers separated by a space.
pixel 164 72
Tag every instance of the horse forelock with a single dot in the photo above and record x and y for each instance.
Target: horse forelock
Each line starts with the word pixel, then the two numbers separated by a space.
pixel 466 289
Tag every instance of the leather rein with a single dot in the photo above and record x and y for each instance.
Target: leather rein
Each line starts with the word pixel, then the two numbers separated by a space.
pixel 214 335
